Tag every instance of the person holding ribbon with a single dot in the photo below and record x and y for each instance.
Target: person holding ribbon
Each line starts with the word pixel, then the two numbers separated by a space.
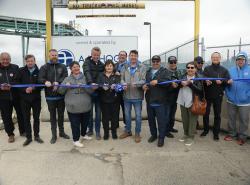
pixel 238 99
pixel 77 101
pixel 214 91
pixel 30 98
pixel 108 81
pixel 158 106
pixel 188 88
pixel 9 97
pixel 133 78
pixel 52 74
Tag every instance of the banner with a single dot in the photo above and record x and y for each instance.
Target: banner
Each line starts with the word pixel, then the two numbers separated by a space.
pixel 77 48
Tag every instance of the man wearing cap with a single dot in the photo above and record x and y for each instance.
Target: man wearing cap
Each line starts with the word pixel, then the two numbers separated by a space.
pixel 157 105
pixel 238 99
pixel 199 64
pixel 172 94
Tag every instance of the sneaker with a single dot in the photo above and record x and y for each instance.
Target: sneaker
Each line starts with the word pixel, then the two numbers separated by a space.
pixel 64 136
pixel 152 139
pixel 169 135
pixel 189 142
pixel 11 139
pixel 240 142
pixel 183 138
pixel 78 144
pixel 27 142
pixel 125 134
pixel 86 137
pixel 137 138
pixel 39 140
pixel 228 138
pixel 114 135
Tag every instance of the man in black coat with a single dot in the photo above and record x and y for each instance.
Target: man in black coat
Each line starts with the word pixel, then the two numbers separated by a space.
pixel 214 91
pixel 52 74
pixel 9 97
pixel 30 98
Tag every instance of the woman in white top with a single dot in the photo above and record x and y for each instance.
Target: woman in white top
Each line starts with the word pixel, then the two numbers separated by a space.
pixel 188 88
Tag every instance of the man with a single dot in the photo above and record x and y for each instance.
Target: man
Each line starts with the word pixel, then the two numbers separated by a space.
pixel 30 98
pixel 214 91
pixel 157 105
pixel 199 64
pixel 9 97
pixel 238 95
pixel 122 57
pixel 172 94
pixel 92 67
pixel 52 74
pixel 133 78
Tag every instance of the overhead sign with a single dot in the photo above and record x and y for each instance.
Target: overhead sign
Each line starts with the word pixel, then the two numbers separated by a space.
pixel 105 5
pixel 77 48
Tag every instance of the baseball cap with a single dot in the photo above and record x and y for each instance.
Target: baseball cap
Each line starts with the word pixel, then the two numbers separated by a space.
pixel 172 59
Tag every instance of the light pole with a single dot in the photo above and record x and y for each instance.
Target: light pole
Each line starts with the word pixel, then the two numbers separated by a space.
pixel 149 23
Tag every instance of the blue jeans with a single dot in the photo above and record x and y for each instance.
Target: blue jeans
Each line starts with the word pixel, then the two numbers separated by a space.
pixel 128 108
pixel 161 114
pixel 78 122
pixel 96 103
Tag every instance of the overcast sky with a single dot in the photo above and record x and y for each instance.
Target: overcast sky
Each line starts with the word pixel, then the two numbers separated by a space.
pixel 222 22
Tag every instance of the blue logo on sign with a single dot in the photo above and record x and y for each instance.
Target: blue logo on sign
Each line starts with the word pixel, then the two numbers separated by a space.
pixel 65 56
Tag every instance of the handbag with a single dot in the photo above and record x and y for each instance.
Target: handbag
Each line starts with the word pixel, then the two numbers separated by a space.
pixel 199 106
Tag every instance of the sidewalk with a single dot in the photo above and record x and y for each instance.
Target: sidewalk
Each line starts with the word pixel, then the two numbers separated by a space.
pixel 123 162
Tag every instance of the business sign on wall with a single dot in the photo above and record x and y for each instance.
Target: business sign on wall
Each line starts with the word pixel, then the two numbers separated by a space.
pixel 77 48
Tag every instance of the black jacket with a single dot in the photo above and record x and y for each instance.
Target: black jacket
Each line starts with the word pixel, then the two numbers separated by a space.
pixel 92 70
pixel 215 71
pixel 197 86
pixel 53 73
pixel 109 96
pixel 8 75
pixel 157 94
pixel 25 77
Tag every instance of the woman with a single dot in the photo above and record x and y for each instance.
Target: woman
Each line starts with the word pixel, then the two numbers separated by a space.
pixel 185 100
pixel 78 102
pixel 109 99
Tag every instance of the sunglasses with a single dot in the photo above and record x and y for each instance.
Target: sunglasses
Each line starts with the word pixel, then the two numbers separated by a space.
pixel 200 62
pixel 190 67
pixel 172 62
pixel 155 61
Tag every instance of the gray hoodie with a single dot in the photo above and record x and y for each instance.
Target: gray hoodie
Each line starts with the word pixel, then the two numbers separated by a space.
pixel 77 100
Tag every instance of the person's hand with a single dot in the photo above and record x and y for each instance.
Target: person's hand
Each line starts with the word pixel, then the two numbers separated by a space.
pixel 208 82
pixel 68 84
pixel 112 86
pixel 174 85
pixel 94 86
pixel 230 81
pixel 154 82
pixel 55 86
pixel 218 82
pixel 117 73
pixel 125 86
pixel 145 87
pixel 29 90
pixel 184 83
pixel 48 84
pixel 105 87
pixel 5 87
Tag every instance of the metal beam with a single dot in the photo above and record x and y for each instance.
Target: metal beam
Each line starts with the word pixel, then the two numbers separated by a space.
pixel 196 27
pixel 48 27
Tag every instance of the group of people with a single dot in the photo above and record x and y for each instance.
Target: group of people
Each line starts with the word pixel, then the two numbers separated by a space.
pixel 104 88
